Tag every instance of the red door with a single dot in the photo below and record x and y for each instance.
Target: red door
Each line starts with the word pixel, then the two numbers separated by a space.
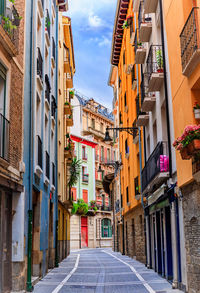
pixel 84 232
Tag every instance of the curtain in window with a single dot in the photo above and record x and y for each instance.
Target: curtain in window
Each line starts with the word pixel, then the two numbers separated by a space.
pixel 106 229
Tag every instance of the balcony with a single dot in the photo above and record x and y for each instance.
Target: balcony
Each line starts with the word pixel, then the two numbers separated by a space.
pixel 4 138
pixel 67 67
pixel 150 6
pixel 142 117
pixel 53 57
pixel 67 109
pixel 155 74
pixel 39 67
pixel 106 208
pixel 148 100
pixel 190 45
pixel 85 178
pixel 39 166
pixel 47 91
pixel 145 25
pixel 96 133
pixel 64 7
pixel 41 7
pixel 9 30
pixel 47 28
pixel 156 170
pixel 69 121
pixel 140 51
pixel 69 81
pixel 137 188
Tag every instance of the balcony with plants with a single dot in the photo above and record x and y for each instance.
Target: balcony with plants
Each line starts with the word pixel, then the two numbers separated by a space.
pixel 145 24
pixel 148 99
pixel 190 45
pixel 155 72
pixel 140 50
pixel 142 117
pixel 156 170
pixel 150 6
pixel 69 147
pixel 4 138
pixel 69 120
pixel 47 27
pixel 9 27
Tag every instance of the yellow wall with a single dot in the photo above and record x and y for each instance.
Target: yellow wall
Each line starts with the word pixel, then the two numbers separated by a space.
pixel 130 168
pixel 63 234
pixel 183 97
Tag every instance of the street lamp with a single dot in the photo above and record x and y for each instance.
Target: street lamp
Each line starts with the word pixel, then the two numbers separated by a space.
pixel 131 130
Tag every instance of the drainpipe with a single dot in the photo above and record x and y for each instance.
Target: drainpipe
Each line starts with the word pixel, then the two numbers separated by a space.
pixel 166 89
pixel 29 286
pixel 56 193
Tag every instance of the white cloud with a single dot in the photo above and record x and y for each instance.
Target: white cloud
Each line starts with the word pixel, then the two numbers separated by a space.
pixel 95 21
pixel 104 42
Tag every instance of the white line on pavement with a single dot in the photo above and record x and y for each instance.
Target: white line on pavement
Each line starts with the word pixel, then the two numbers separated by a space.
pixel 57 289
pixel 146 285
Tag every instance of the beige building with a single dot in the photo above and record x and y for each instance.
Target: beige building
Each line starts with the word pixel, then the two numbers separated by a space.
pixel 91 120
pixel 66 70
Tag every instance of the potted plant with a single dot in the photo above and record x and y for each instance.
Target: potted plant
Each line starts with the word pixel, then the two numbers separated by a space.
pixel 159 60
pixel 189 142
pixel 196 110
pixel 139 45
pixel 71 93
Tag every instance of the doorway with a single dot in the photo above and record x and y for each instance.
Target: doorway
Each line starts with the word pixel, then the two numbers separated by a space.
pixel 5 241
pixel 84 232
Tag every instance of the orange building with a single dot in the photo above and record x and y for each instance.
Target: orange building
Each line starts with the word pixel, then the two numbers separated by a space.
pixel 130 226
pixel 184 60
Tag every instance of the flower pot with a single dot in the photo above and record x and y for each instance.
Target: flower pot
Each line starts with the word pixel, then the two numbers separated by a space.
pixel 184 154
pixel 194 147
pixel 160 70
pixel 197 113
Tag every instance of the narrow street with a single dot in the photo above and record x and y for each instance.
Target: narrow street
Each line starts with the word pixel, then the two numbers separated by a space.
pixel 102 271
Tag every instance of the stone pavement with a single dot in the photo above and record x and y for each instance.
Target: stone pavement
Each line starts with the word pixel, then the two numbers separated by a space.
pixel 102 271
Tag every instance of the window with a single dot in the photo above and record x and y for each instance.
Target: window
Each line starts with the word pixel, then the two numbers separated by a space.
pixel 2 89
pixel 84 155
pixel 121 201
pixel 101 127
pixel 93 123
pixel 126 147
pixel 85 176
pixel 102 154
pixel 133 74
pixel 106 229
pixel 125 101
pixel 102 175
pixel 73 193
pixel 127 195
pixel 108 155
pixel 85 195
pixel 124 58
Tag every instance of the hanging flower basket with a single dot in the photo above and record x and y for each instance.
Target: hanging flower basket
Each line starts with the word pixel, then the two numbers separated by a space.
pixel 189 142
pixel 184 154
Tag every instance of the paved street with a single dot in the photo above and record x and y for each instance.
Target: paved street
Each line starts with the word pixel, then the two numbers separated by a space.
pixel 102 271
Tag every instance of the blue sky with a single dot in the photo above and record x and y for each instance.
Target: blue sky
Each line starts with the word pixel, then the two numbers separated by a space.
pixel 92 26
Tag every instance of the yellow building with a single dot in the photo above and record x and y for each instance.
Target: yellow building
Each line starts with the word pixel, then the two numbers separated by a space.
pixel 184 60
pixel 131 225
pixel 66 70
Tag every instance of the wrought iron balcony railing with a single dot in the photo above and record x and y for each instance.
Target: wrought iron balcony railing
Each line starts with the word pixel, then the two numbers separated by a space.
pixel 155 60
pixel 39 64
pixel 158 162
pixel 48 23
pixel 10 21
pixel 47 88
pixel 53 49
pixel 47 165
pixel 53 174
pixel 4 137
pixel 190 42
pixel 39 151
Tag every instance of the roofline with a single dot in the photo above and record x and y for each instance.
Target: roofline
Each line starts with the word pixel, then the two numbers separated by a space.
pixel 114 28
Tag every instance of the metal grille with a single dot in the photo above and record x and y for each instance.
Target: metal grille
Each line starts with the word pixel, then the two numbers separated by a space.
pixel 39 157
pixel 152 167
pixel 4 137
pixel 39 64
pixel 189 37
pixel 154 60
pixel 47 164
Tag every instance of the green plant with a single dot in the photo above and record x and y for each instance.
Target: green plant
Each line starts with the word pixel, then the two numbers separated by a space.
pixel 196 106
pixel 66 103
pixel 159 58
pixel 191 132
pixel 125 24
pixel 71 92
pixel 67 135
pixel 47 22
pixel 75 169
pixel 8 25
pixel 80 207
